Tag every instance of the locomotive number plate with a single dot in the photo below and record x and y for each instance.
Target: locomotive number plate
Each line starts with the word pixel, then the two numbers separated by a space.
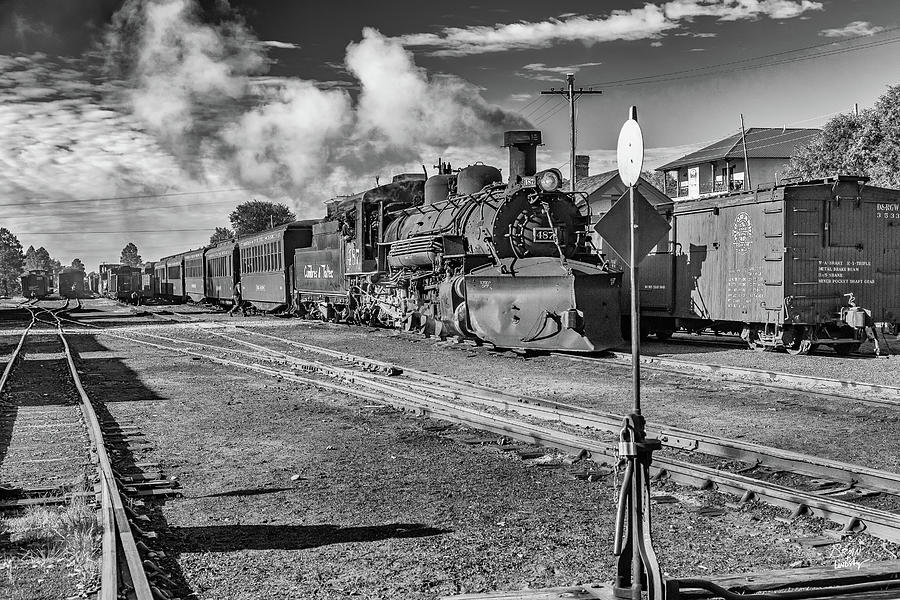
pixel 543 234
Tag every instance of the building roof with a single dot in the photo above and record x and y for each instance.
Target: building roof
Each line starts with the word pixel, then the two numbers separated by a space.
pixel 605 188
pixel 762 142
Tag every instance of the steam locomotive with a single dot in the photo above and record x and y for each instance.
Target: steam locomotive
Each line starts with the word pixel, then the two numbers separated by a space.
pixel 507 263
pixel 462 254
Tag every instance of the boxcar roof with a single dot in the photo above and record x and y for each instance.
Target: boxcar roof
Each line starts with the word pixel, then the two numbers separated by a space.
pixel 221 249
pixel 275 232
pixel 179 255
pixel 774 192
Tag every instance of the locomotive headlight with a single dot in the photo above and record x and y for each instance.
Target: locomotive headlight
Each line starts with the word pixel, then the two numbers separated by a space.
pixel 550 180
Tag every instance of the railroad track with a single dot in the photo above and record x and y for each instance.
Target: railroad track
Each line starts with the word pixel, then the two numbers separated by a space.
pixel 845 389
pixel 574 429
pixel 122 568
pixel 821 387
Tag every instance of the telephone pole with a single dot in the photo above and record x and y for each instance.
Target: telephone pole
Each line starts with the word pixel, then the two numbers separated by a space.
pixel 572 94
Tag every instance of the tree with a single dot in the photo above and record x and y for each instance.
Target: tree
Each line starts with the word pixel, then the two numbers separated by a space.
pixel 865 144
pixel 130 256
pixel 255 215
pixel 657 179
pixel 38 259
pixel 77 264
pixel 222 234
pixel 11 262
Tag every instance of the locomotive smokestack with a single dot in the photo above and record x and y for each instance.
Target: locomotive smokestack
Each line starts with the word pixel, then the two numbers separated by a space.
pixel 582 166
pixel 522 152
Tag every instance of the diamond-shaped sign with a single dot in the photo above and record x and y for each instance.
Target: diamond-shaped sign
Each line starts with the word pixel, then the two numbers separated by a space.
pixel 615 227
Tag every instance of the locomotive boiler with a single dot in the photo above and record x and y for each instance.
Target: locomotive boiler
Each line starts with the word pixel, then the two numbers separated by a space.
pixel 507 263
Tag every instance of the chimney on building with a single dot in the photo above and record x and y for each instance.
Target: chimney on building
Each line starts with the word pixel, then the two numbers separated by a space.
pixel 582 166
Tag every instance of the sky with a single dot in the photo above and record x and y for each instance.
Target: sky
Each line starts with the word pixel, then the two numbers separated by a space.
pixel 148 121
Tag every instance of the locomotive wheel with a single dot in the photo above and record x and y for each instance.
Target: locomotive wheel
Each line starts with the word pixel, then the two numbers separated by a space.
pixel 804 347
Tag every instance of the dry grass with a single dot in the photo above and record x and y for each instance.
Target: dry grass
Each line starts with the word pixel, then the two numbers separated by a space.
pixel 48 543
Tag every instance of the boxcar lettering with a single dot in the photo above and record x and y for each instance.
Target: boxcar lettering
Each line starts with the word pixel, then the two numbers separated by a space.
pixel 485 284
pixel 318 272
pixel 742 232
pixel 260 288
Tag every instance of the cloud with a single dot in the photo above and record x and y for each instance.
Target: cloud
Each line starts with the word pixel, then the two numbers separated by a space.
pixel 553 74
pixel 738 10
pixel 282 45
pixel 520 97
pixel 177 101
pixel 647 22
pixel 563 69
pixel 854 29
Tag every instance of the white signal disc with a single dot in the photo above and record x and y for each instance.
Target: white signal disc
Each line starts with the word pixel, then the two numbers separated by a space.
pixel 630 152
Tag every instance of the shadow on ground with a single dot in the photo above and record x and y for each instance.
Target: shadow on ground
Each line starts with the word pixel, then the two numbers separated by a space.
pixel 109 380
pixel 229 538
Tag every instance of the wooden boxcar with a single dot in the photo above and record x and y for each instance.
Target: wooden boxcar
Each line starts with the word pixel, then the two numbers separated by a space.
pixel 791 267
pixel 266 263
pixel 319 270
pixel 194 274
pixel 222 271
pixel 123 281
pixel 36 284
pixel 70 283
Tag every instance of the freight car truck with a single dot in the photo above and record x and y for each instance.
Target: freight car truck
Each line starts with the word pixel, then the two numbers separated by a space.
pixel 793 267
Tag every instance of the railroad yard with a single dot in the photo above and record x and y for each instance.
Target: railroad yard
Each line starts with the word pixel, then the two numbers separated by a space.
pixel 285 458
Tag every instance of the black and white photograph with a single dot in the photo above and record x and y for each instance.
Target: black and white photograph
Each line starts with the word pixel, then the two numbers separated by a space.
pixel 449 301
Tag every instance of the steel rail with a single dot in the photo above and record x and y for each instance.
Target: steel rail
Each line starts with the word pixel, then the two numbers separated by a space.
pixel 675 438
pixel 884 395
pixel 117 529
pixel 878 522
pixel 10 363
pixel 672 437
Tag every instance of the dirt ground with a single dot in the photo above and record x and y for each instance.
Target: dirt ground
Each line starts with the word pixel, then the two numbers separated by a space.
pixel 290 492
pixel 707 405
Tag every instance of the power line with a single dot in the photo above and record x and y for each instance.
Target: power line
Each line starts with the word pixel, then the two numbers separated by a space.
pixel 115 208
pixel 137 197
pixel 114 232
pixel 712 69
